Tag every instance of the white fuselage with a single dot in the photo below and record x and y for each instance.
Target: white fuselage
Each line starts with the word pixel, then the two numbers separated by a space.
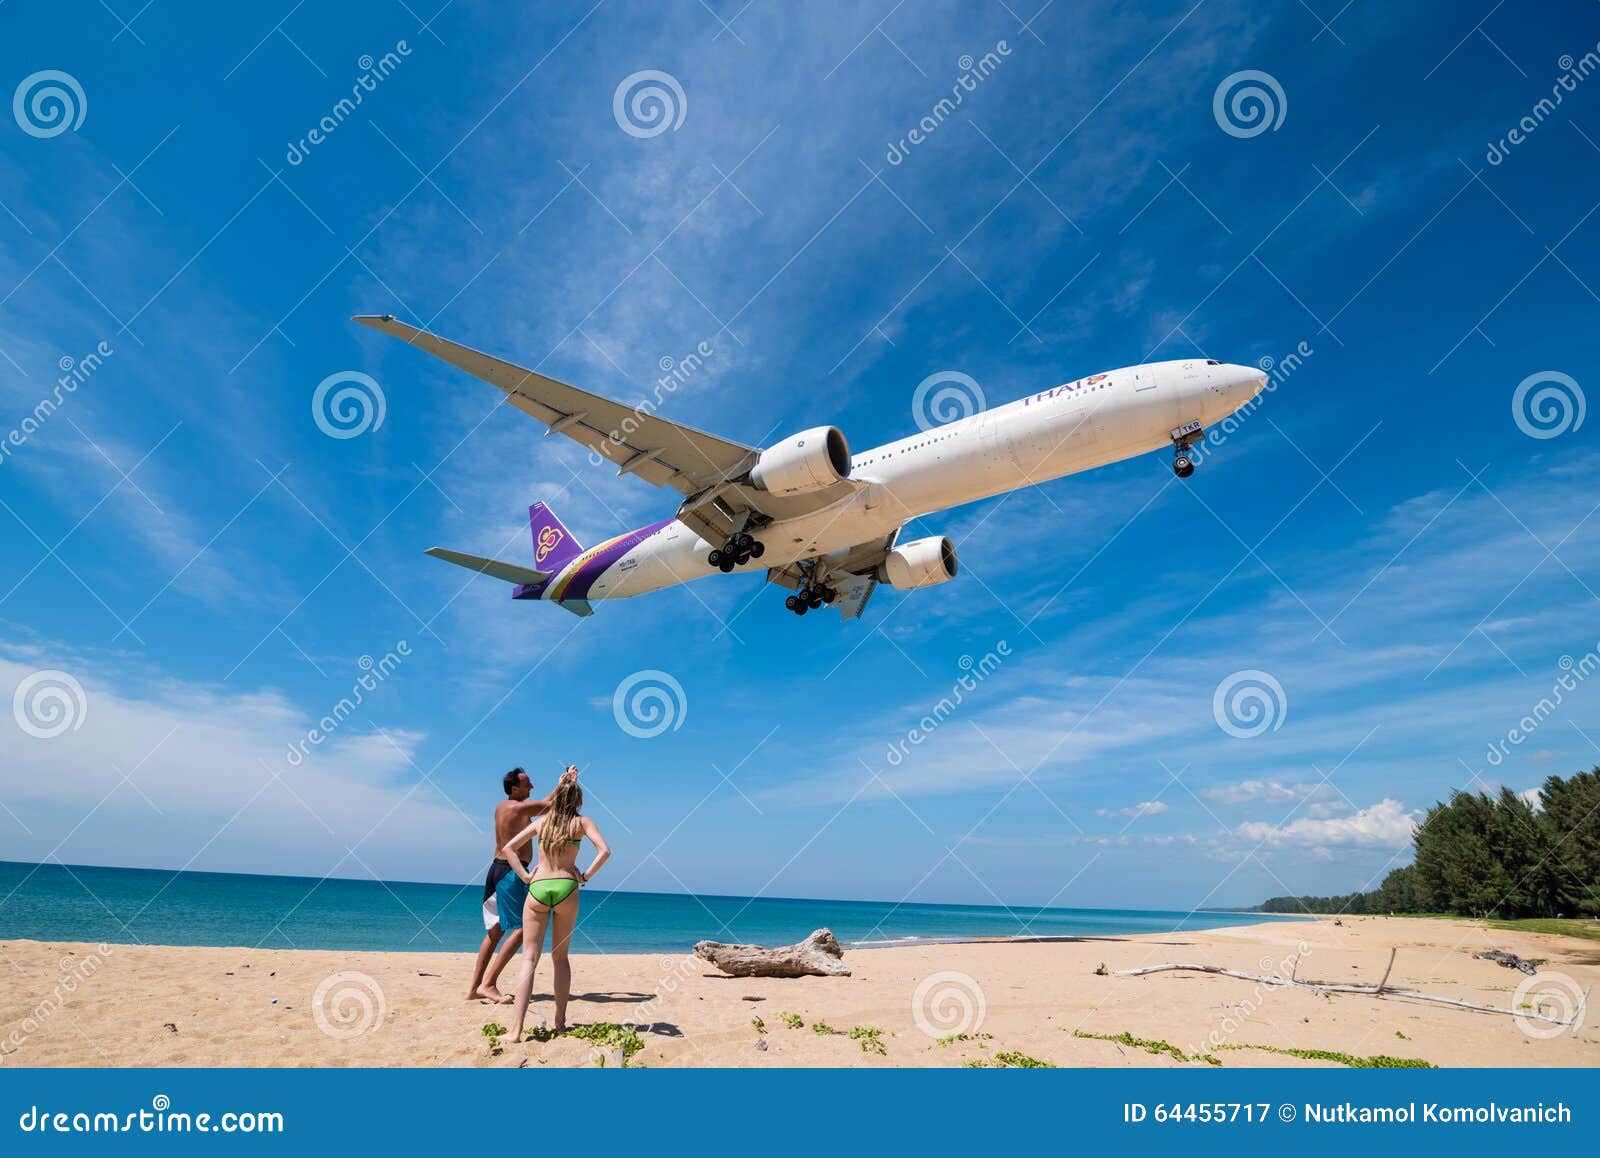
pixel 1074 427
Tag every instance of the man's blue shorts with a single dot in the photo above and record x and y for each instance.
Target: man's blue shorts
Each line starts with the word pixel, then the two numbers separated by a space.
pixel 509 895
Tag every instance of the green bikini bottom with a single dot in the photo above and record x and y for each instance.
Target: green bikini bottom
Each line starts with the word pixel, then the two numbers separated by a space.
pixel 551 891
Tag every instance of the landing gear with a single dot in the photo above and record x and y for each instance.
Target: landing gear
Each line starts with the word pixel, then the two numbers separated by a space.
pixel 1182 460
pixel 736 552
pixel 809 598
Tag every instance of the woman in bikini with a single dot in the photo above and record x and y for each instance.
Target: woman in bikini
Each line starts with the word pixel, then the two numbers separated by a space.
pixel 553 893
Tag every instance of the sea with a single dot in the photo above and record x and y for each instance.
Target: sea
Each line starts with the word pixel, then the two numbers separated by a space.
pixel 55 902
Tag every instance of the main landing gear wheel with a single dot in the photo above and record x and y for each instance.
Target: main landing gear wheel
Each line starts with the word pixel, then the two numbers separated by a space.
pixel 1182 465
pixel 810 598
pixel 736 552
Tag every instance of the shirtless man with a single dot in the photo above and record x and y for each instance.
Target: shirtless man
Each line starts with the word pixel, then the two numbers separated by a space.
pixel 503 894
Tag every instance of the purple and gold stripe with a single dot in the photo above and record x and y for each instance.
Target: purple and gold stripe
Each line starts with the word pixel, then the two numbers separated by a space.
pixel 576 581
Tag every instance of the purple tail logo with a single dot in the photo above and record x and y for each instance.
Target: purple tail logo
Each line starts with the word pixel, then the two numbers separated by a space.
pixel 547 540
pixel 553 545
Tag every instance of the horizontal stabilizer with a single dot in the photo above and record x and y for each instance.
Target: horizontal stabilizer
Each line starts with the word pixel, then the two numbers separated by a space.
pixel 578 607
pixel 509 572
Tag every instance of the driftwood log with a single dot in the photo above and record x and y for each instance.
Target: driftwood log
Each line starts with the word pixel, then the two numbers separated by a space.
pixel 818 955
pixel 1381 989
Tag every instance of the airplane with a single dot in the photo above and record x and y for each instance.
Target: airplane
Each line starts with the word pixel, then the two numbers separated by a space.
pixel 822 522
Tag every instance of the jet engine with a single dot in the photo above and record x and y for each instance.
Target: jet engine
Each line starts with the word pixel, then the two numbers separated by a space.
pixel 920 563
pixel 807 461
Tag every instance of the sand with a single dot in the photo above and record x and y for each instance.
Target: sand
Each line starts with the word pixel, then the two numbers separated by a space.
pixel 125 1005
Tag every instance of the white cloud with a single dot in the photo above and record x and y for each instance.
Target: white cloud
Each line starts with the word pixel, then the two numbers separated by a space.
pixel 1385 823
pixel 1143 808
pixel 171 773
pixel 1265 792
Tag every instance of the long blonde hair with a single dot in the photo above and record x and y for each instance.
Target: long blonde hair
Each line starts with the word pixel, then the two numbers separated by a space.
pixel 562 823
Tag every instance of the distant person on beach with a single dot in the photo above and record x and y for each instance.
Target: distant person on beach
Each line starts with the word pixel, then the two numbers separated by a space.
pixel 503 894
pixel 552 888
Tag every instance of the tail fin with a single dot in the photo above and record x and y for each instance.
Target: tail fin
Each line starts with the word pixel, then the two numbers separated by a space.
pixel 553 545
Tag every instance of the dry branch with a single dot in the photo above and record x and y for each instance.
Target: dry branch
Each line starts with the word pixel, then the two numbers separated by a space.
pixel 818 955
pixel 1378 990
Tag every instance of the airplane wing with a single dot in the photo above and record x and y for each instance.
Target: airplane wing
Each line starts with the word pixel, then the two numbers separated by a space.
pixel 705 468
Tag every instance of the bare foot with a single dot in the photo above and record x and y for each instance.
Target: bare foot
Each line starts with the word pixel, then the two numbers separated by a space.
pixel 489 995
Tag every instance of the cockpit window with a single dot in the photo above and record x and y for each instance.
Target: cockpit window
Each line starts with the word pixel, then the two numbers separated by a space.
pixel 1212 362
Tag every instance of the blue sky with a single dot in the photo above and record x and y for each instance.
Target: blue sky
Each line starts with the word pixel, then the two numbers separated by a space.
pixel 1381 537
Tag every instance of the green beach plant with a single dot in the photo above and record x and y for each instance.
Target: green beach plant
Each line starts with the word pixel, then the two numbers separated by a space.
pixel 1009 1060
pixel 601 1033
pixel 1149 1045
pixel 871 1039
pixel 1375 1062
pixel 609 1034
pixel 792 1020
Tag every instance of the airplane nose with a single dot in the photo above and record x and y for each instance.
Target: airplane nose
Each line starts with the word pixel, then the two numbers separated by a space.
pixel 1248 381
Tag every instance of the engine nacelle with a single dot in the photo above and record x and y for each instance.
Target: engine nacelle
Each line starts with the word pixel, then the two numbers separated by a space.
pixel 920 563
pixel 803 462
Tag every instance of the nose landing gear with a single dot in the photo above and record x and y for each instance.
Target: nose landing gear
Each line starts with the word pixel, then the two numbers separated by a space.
pixel 736 552
pixel 1182 460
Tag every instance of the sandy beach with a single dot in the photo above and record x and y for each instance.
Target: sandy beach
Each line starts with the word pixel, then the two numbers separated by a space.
pixel 122 1005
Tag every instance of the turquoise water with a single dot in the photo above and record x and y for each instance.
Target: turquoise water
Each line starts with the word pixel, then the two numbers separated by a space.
pixel 158 907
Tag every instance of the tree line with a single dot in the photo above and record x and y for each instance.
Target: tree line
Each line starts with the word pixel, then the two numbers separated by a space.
pixel 1478 855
